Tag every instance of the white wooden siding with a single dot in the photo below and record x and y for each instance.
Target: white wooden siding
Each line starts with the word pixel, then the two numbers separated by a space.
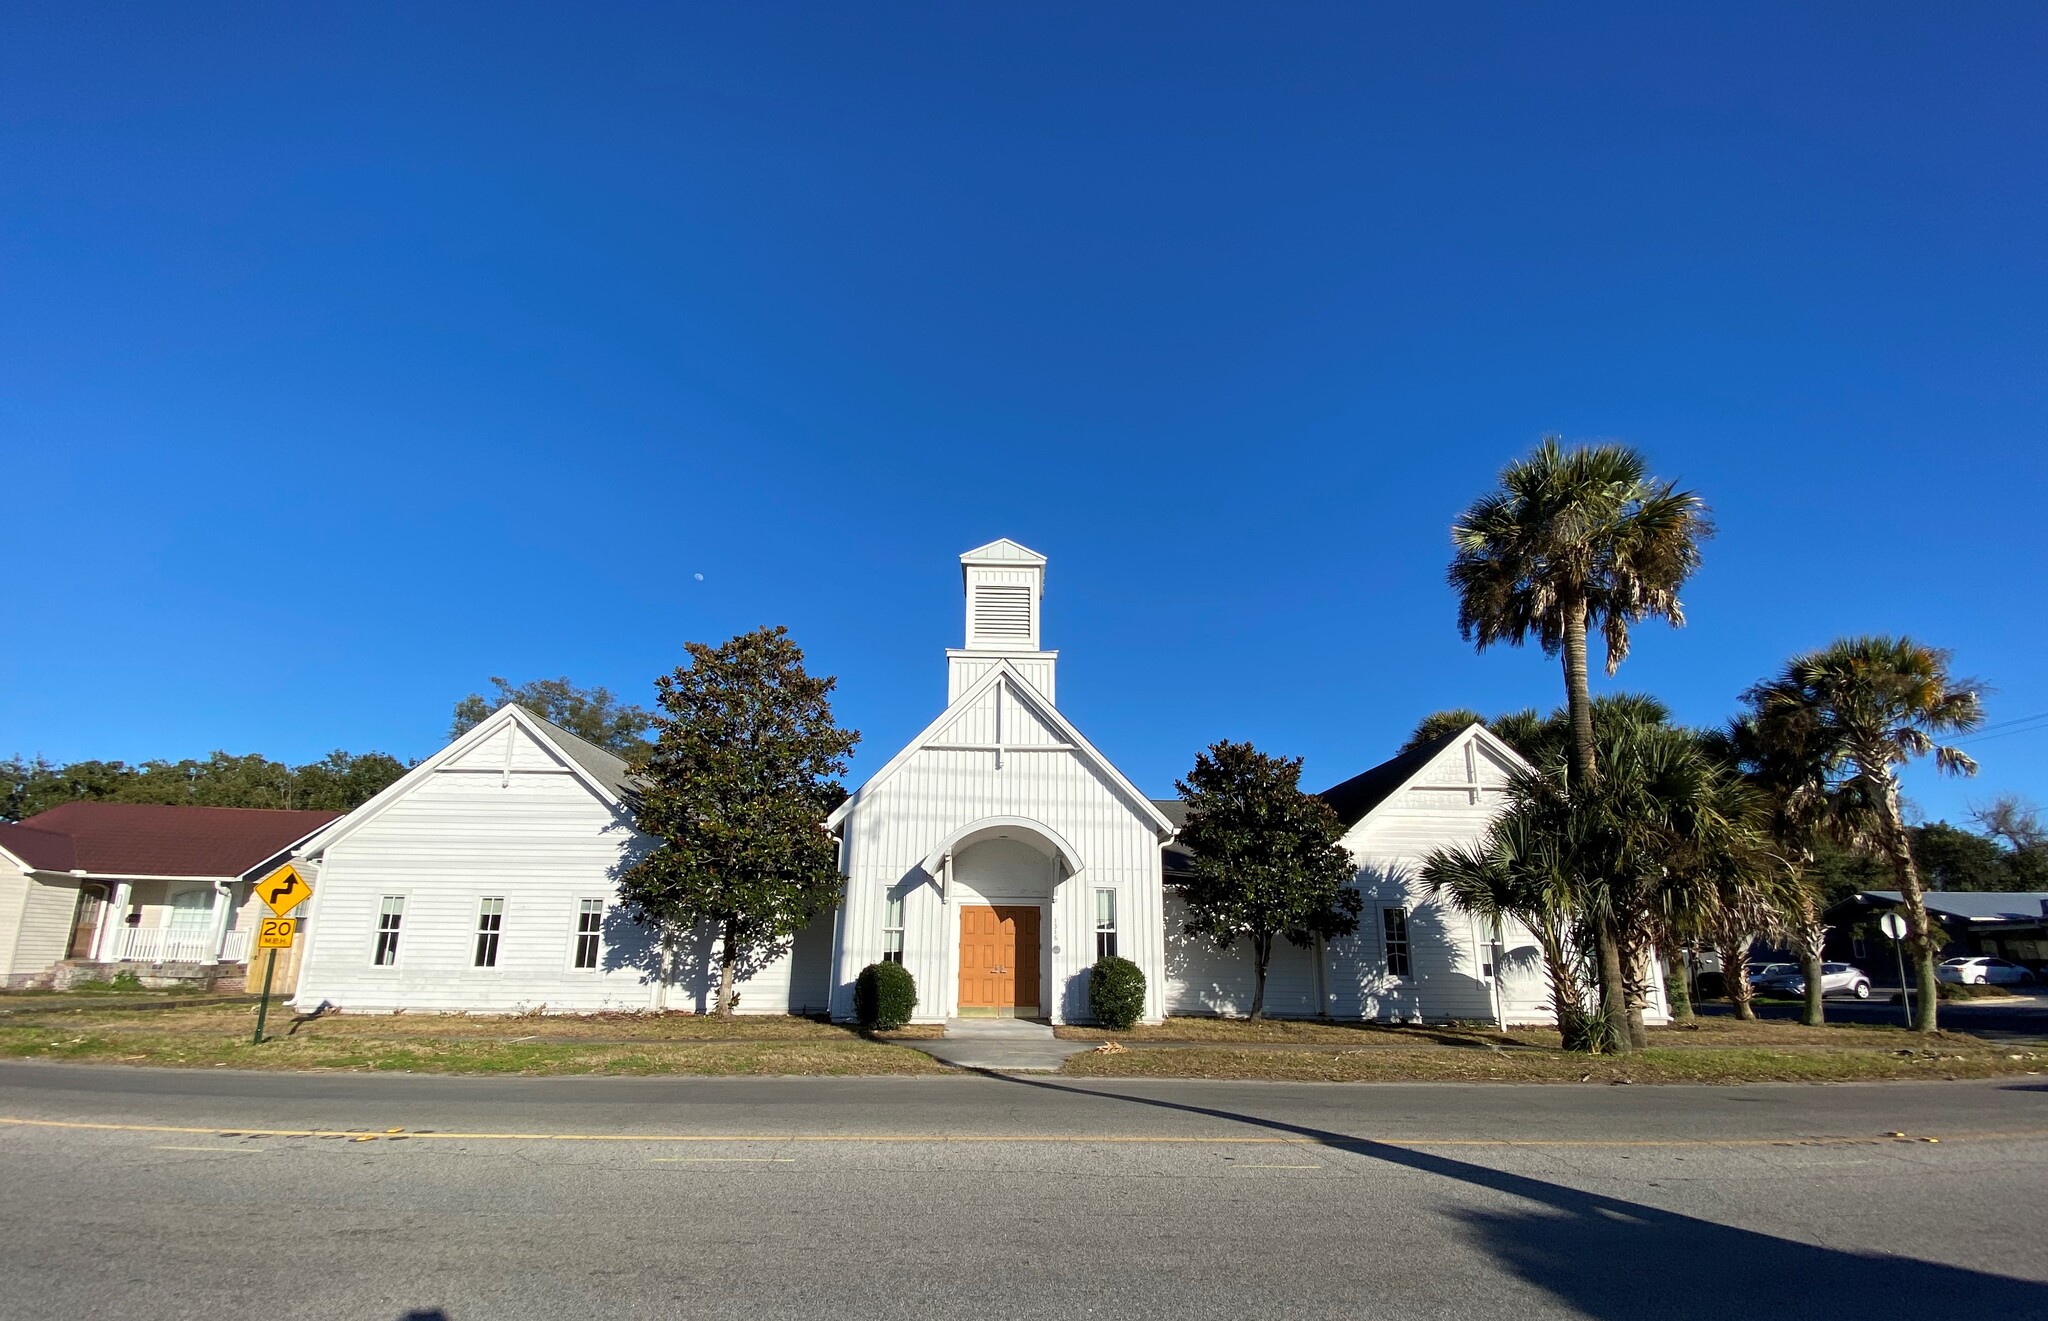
pixel 1449 803
pixel 535 836
pixel 895 823
pixel 1202 980
pixel 14 885
pixel 43 931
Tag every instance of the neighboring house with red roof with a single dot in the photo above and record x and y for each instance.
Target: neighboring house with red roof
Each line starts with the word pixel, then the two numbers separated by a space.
pixel 95 888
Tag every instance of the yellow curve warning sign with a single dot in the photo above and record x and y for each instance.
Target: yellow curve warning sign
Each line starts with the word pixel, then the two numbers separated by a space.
pixel 284 889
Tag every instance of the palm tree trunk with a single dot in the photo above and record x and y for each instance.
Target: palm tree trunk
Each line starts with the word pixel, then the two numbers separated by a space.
pixel 1811 937
pixel 1921 941
pixel 1678 992
pixel 1613 989
pixel 1735 977
pixel 1578 696
pixel 726 964
pixel 1567 995
pixel 1262 951
pixel 1632 979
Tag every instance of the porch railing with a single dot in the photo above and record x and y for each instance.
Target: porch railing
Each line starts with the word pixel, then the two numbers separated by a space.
pixel 237 948
pixel 163 945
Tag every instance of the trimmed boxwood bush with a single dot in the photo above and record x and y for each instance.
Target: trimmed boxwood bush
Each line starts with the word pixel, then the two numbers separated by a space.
pixel 1116 993
pixel 883 996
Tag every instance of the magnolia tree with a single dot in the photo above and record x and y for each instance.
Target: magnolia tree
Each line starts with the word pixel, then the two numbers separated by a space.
pixel 741 777
pixel 1266 860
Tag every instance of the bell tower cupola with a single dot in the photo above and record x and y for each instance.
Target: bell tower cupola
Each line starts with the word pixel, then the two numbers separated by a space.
pixel 1004 583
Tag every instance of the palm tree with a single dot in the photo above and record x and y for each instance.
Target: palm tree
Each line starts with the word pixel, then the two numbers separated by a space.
pixel 1780 759
pixel 1867 706
pixel 1571 540
pixel 1514 874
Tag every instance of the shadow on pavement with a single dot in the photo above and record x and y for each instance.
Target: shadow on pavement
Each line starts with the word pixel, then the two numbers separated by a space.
pixel 1620 1260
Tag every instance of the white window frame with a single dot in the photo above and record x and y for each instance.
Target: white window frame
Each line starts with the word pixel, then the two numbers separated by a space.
pixel 1108 928
pixel 577 933
pixel 480 933
pixel 404 899
pixel 1390 945
pixel 892 928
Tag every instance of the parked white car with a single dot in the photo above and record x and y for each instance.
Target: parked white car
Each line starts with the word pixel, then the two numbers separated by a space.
pixel 1983 971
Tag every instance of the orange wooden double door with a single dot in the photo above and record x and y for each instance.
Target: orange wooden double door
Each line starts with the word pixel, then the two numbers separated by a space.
pixel 999 960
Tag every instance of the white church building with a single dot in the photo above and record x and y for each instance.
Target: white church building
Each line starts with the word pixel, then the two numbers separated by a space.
pixel 996 856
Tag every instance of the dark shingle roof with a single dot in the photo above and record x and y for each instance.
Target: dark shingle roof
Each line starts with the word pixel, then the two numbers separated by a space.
pixel 1360 794
pixel 162 839
pixel 45 850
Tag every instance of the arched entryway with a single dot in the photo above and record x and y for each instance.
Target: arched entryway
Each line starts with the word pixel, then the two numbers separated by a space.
pixel 1001 880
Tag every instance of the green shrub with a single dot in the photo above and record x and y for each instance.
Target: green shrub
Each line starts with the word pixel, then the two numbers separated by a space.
pixel 883 996
pixel 1116 993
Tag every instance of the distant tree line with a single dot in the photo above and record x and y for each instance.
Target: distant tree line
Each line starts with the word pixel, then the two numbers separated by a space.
pixel 337 782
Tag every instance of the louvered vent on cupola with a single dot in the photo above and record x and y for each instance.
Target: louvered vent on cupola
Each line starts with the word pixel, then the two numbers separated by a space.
pixel 1002 611
pixel 1004 581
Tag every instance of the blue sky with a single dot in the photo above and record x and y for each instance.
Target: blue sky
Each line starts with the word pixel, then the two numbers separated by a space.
pixel 349 356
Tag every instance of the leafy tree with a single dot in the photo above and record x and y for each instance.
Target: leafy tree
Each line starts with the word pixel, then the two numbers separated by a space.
pixel 1951 859
pixel 736 788
pixel 595 715
pixel 1266 860
pixel 1572 540
pixel 1867 706
pixel 343 781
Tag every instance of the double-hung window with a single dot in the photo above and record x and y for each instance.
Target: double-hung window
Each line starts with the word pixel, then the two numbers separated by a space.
pixel 589 931
pixel 892 929
pixel 490 924
pixel 389 915
pixel 1395 922
pixel 1105 924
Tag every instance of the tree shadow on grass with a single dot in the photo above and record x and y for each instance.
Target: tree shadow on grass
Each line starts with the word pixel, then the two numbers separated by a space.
pixel 1609 1258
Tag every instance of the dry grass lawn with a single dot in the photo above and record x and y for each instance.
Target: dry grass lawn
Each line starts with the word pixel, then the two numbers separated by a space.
pixel 219 1035
pixel 1716 1051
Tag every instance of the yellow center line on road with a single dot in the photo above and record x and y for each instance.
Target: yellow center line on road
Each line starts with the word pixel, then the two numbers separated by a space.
pixel 1055 1139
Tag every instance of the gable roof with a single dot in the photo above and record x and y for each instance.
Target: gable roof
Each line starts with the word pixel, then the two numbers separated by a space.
pixel 1024 691
pixel 160 839
pixel 1003 550
pixel 604 773
pixel 1360 794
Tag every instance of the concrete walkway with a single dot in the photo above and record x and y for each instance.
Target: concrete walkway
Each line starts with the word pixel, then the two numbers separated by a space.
pixel 1009 1045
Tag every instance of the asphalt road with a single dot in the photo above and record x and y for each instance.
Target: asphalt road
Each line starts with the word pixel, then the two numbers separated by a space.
pixel 145 1193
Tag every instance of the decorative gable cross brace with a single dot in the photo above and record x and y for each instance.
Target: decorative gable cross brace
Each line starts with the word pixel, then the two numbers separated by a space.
pixel 1001 699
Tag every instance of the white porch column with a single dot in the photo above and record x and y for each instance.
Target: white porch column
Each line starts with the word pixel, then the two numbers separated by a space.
pixel 223 913
pixel 114 928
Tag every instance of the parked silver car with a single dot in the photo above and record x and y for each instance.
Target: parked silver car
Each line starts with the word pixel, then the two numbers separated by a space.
pixel 1835 979
pixel 1983 971
pixel 1759 973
